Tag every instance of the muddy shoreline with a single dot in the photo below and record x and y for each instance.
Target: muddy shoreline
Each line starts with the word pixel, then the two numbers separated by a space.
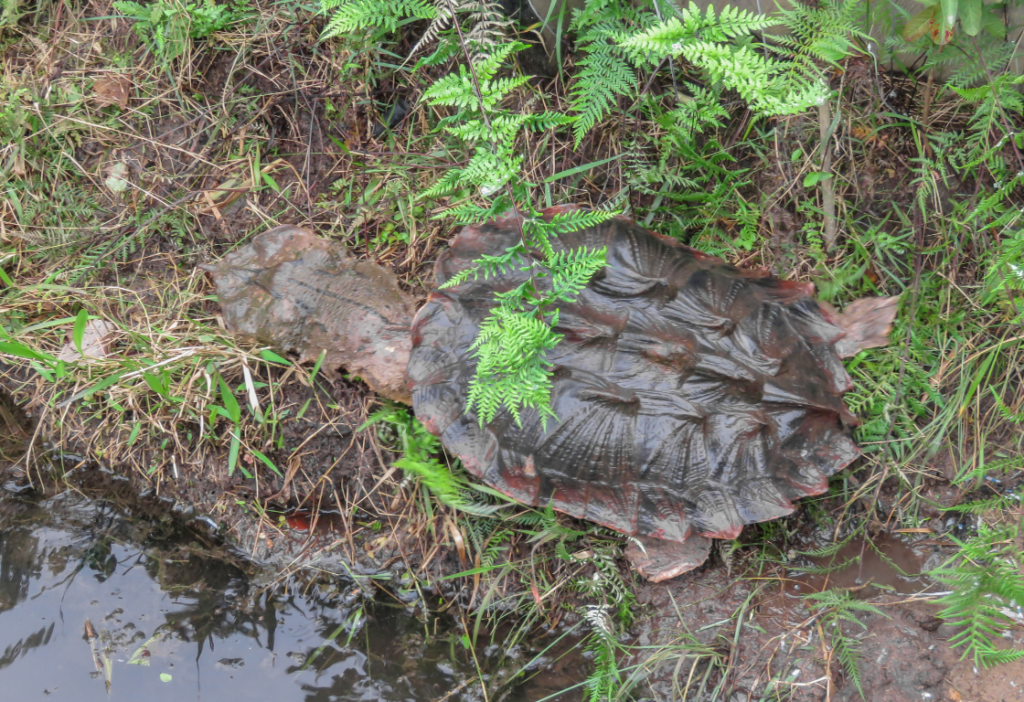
pixel 726 627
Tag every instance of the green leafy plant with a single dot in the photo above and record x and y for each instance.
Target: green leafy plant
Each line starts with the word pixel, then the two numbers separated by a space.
pixel 348 16
pixel 987 593
pixel 617 40
pixel 836 608
pixel 768 85
pixel 229 409
pixel 168 26
pixel 486 23
pixel 605 71
pixel 419 451
pixel 486 26
pixel 605 679
pixel 512 372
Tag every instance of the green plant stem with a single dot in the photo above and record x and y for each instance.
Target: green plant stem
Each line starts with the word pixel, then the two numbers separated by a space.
pixel 475 80
pixel 828 192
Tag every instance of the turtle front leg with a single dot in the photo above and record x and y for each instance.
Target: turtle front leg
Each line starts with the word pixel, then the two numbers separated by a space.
pixel 661 560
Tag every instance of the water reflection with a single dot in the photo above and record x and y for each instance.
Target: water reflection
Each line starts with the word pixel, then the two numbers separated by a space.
pixel 97 606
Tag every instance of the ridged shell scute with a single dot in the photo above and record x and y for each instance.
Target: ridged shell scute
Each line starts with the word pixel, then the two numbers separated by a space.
pixel 691 395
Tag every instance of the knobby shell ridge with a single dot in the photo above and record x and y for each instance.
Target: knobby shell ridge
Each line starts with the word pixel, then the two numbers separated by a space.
pixel 691 395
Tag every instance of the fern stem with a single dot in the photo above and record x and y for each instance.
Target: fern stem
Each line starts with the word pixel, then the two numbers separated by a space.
pixel 828 191
pixel 475 80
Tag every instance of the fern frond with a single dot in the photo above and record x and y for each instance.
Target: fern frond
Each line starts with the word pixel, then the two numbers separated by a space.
pixel 512 368
pixel 490 170
pixel 770 87
pixel 543 121
pixel 487 266
pixel 604 76
pixel 419 448
pixel 823 33
pixel 836 607
pixel 571 271
pixel 756 78
pixel 471 213
pixel 1007 655
pixel 349 16
pixel 565 222
pixel 604 72
pixel 668 38
pixel 987 586
pixel 488 26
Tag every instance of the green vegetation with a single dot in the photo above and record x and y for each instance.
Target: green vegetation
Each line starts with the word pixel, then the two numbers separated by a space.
pixel 836 608
pixel 132 151
pixel 168 27
pixel 986 589
pixel 511 371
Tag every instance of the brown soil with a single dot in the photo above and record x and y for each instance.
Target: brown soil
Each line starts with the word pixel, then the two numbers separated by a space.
pixel 1001 684
pixel 905 653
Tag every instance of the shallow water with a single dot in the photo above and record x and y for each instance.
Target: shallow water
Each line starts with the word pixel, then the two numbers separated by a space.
pixel 884 563
pixel 96 605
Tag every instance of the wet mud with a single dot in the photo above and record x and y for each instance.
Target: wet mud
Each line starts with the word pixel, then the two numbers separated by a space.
pixel 15 430
pixel 778 649
pixel 778 644
pixel 867 566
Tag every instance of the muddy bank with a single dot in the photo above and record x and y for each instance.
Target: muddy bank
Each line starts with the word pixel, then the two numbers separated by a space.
pixel 737 627
pixel 775 646
pixel 324 465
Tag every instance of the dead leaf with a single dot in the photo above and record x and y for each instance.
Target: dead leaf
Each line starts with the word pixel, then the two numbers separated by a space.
pixel 460 543
pixel 234 187
pixel 95 342
pixel 19 165
pixel 112 89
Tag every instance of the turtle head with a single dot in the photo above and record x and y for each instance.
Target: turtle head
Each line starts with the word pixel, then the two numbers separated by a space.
pixel 306 296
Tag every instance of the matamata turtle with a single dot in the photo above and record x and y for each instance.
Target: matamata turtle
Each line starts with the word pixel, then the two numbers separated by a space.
pixel 692 397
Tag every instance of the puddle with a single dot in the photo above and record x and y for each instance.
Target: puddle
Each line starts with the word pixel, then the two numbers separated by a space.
pixel 868 567
pixel 95 605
